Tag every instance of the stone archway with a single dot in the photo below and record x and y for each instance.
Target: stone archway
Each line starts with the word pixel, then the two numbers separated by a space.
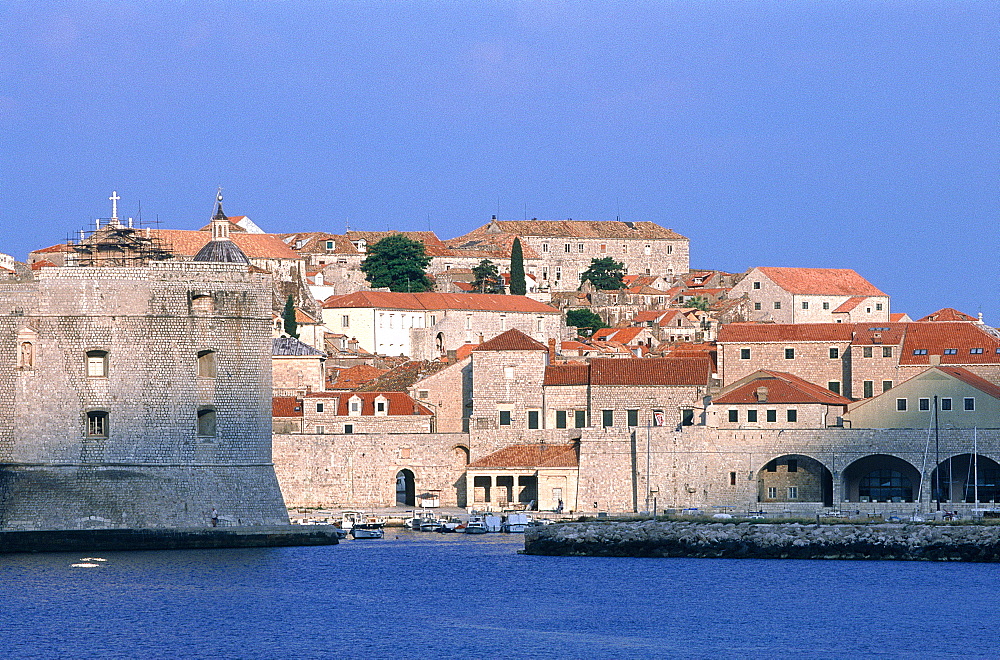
pixel 881 478
pixel 460 458
pixel 795 478
pixel 406 488
pixel 963 477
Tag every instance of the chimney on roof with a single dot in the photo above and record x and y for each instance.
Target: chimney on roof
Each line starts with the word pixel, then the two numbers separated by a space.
pixel 934 360
pixel 452 356
pixel 762 394
pixel 493 218
pixel 552 350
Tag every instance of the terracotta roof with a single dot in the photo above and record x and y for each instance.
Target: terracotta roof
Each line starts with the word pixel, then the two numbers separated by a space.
pixel 781 388
pixel 623 335
pixel 573 373
pixel 496 246
pixel 315 242
pixel 672 371
pixel 530 456
pixel 750 333
pixel 303 318
pixel 351 378
pixel 820 281
pixel 579 229
pixel 437 301
pixel 401 377
pixel 935 338
pixel 868 334
pixel 399 403
pixel 512 340
pixel 433 246
pixel 61 247
pixel 898 317
pixel 187 243
pixel 286 406
pixel 465 350
pixel 972 379
pixel 948 314
pixel 849 304
pixel 42 263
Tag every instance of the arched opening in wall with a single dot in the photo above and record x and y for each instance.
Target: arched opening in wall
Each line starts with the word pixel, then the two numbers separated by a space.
pixel 460 458
pixel 966 478
pixel 406 488
pixel 439 343
pixel 202 303
pixel 795 478
pixel 881 478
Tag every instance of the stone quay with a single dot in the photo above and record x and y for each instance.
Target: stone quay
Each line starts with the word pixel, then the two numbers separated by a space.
pixel 746 540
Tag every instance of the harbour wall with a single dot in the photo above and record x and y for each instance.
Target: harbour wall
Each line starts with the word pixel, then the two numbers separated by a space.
pixel 978 543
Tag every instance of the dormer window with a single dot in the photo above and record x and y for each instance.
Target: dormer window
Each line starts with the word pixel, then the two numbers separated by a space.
pixel 354 406
pixel 950 351
pixel 976 351
pixel 329 245
pixel 381 406
pixel 920 351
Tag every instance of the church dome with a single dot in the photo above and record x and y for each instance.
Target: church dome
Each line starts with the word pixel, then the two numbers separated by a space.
pixel 222 251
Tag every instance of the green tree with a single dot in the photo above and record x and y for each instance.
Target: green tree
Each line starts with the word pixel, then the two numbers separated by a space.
pixel 487 278
pixel 288 317
pixel 605 274
pixel 699 302
pixel 397 262
pixel 585 321
pixel 518 286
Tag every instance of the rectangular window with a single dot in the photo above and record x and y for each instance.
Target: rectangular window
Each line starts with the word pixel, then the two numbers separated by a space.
pixel 772 493
pixel 604 248
pixel 751 415
pixel 805 305
pixel 756 307
pixel 566 247
pixel 924 404
pixel 777 304
pixel 886 385
pixel 793 492
pixel 950 351
pixel 793 465
pixel 468 321
pixel 976 351
pixel 558 273
pixel 345 321
pixel 560 419
pixel 826 305
pixel 732 478
pixel 380 406
pixel 348 429
pixel 869 389
pixel 545 247
pixel 319 407
pixel 624 248
pixel 789 353
pixel 580 418
pixel 756 285
pixel 771 415
pixel 946 403
pixel 744 353
pixel 97 424
pixel 834 353
pixel 633 417
pixel 579 247
pixel 504 418
pixel 920 351
pixel 734 415
pixel 206 364
pixel 97 364
pixel 834 386
pixel 878 307
pixel 887 351
pixel 792 415
pixel 607 418
pixel 901 405
pixel 866 351
pixel 320 430
pixel 970 403
pixel 533 416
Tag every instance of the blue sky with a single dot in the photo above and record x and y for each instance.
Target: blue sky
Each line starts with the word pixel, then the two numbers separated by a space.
pixel 823 134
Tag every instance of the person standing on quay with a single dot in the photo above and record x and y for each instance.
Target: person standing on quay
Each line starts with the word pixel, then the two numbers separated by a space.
pixel 215 517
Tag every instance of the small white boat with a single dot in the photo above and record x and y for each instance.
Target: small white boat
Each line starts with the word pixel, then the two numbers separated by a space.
pixel 515 523
pixel 476 525
pixel 430 525
pixel 367 531
pixel 361 525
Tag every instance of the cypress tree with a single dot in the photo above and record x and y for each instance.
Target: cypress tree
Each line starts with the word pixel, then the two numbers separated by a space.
pixel 288 316
pixel 518 287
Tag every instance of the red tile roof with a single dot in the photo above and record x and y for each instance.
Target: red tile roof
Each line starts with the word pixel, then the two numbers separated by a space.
pixel 354 377
pixel 42 263
pixel 935 337
pixel 572 373
pixel 578 229
pixel 399 403
pixel 970 378
pixel 512 340
pixel 61 247
pixel 530 456
pixel 898 317
pixel 286 406
pixel 465 350
pixel 623 335
pixel 645 372
pixel 948 314
pixel 751 333
pixel 433 246
pixel 188 243
pixel 820 281
pixel 437 301
pixel 781 388
pixel 849 304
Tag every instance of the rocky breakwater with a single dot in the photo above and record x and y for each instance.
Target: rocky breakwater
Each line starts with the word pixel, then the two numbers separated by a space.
pixel 900 541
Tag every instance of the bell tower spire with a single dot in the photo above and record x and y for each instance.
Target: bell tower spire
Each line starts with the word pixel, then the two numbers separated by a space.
pixel 220 223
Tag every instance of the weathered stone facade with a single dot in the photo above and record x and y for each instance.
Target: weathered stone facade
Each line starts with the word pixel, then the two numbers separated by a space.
pixel 136 397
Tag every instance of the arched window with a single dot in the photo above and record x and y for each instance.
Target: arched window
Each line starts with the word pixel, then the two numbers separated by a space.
pixel 206 364
pixel 206 422
pixel 202 304
pixel 97 364
pixel 886 486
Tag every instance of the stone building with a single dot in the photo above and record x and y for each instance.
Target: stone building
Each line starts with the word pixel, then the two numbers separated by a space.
pixel 566 247
pixel 771 399
pixel 425 326
pixel 811 295
pixel 296 367
pixel 136 397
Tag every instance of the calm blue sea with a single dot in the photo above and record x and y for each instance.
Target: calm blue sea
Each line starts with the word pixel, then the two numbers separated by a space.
pixel 434 595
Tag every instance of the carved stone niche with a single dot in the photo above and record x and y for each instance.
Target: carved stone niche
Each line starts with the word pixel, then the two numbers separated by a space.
pixel 26 352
